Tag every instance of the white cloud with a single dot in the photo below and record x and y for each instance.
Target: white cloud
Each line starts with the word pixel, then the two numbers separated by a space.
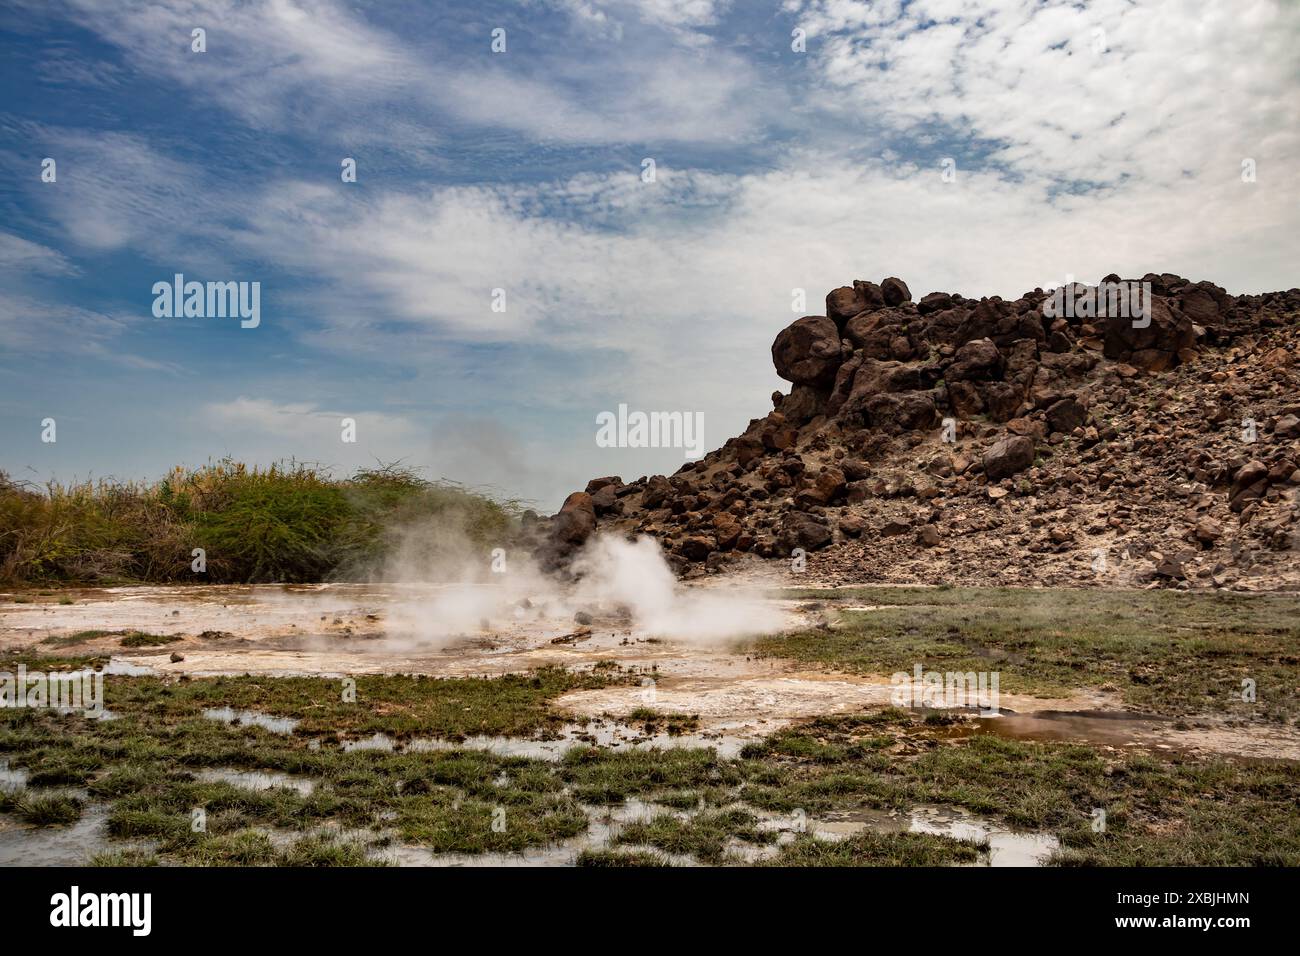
pixel 305 420
pixel 21 256
pixel 314 66
pixel 32 325
pixel 1143 93
pixel 255 429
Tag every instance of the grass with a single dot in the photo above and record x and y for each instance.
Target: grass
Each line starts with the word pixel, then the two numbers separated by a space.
pixel 1160 810
pixel 1167 652
pixel 141 639
pixel 42 810
pixel 1161 651
pixel 628 858
pixel 877 849
pixel 128 638
pixel 398 705
pixel 290 522
pixel 705 836
pixel 143 766
pixel 674 724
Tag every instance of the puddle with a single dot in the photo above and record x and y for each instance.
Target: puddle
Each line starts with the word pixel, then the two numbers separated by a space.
pixel 1006 847
pixel 1107 728
pixel 11 778
pixel 116 667
pixel 608 735
pixel 257 779
pixel 71 845
pixel 228 715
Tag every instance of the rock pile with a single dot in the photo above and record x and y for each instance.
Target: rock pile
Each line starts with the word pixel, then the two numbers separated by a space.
pixel 994 441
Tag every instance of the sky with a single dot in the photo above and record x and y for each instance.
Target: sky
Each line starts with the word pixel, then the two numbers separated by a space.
pixel 505 268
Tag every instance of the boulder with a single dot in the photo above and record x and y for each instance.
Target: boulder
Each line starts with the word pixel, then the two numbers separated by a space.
pixel 575 521
pixel 1066 415
pixel 852 525
pixel 934 302
pixel 696 547
pixel 1248 484
pixel 1208 531
pixel 1288 426
pixel 844 303
pixel 822 488
pixel 605 499
pixel 802 530
pixel 874 331
pixel 1008 457
pixel 895 291
pixel 1151 343
pixel 657 490
pixel 978 360
pixel 905 411
pixel 807 352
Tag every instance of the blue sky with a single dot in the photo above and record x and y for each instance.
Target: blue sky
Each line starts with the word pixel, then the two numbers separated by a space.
pixel 1087 139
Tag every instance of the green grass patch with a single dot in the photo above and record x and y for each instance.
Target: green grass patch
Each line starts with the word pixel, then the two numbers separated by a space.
pixel 705 836
pixel 1167 652
pixel 147 767
pixel 878 849
pixel 141 639
pixel 42 809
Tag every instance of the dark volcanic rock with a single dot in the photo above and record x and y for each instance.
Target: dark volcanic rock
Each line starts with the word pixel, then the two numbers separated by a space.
pixel 1066 415
pixel 576 520
pixel 1133 435
pixel 802 530
pixel 895 291
pixel 807 352
pixel 1008 457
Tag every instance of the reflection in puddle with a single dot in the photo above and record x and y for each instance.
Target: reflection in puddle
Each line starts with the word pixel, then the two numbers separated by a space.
pixel 228 715
pixel 257 779
pixel 1103 727
pixel 11 778
pixel 1005 847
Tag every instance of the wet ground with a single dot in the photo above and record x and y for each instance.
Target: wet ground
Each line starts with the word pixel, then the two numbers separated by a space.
pixel 340 630
pixel 471 630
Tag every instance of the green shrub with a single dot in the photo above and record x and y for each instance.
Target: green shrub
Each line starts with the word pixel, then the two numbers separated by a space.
pixel 289 522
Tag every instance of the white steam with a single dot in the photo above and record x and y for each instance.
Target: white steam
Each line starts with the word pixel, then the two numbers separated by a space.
pixel 635 575
pixel 625 583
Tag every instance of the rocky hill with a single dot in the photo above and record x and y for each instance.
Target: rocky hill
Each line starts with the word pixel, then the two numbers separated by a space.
pixel 1064 438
